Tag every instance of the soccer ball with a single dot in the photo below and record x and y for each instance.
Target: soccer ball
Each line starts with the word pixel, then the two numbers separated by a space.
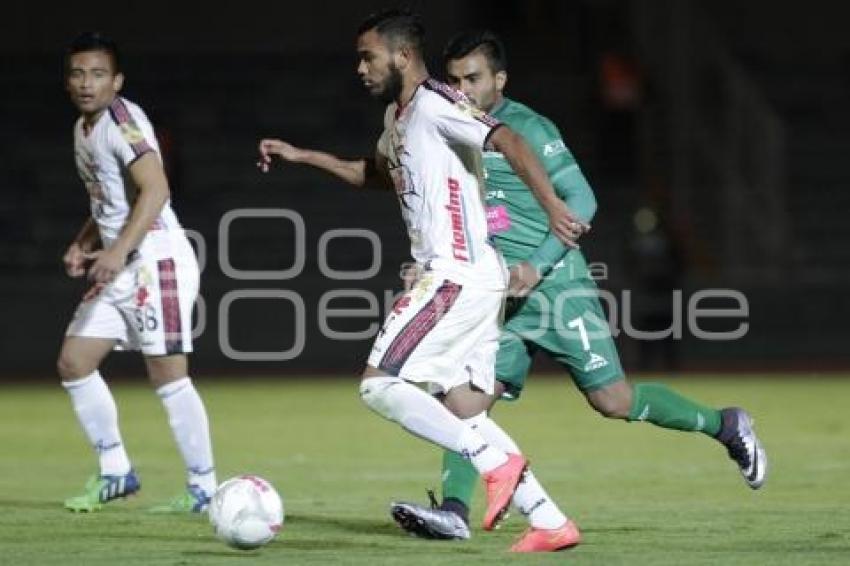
pixel 246 512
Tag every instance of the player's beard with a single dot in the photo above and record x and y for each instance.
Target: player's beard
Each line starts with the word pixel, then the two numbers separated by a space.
pixel 391 89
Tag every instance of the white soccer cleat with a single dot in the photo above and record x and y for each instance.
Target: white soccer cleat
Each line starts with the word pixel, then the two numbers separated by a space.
pixel 743 445
pixel 430 523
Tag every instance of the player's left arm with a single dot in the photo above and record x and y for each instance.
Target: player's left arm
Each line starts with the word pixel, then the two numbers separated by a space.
pixel 153 192
pixel 570 183
pixel 563 223
pixel 459 121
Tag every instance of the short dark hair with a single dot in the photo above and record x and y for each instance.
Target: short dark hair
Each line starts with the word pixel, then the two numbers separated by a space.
pixel 397 26
pixel 488 42
pixel 94 41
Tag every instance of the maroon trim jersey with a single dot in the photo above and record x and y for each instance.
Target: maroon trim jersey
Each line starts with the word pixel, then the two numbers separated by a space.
pixel 104 154
pixel 434 146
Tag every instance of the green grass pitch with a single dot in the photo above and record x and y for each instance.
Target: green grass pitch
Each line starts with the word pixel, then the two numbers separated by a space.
pixel 640 494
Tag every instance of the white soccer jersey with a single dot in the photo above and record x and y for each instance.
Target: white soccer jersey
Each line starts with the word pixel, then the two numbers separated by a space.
pixel 121 135
pixel 433 146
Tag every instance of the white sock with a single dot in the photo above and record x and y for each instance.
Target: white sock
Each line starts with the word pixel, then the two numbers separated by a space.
pixel 492 432
pixel 530 497
pixel 421 414
pixel 483 455
pixel 536 505
pixel 96 411
pixel 188 419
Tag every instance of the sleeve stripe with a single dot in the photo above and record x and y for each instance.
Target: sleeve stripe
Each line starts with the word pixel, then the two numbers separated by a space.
pixel 491 132
pixel 443 90
pixel 121 115
pixel 457 98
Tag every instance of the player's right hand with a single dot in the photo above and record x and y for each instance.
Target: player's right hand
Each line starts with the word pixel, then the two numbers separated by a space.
pixel 93 291
pixel 106 264
pixel 524 278
pixel 75 260
pixel 269 147
pixel 566 225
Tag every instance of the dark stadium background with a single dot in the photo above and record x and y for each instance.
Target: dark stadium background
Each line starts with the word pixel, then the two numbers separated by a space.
pixel 728 121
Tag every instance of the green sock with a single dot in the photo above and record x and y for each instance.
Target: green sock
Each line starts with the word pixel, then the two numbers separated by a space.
pixel 660 405
pixel 459 478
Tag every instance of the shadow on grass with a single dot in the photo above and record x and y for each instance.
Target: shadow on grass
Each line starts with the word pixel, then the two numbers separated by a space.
pixel 32 504
pixel 357 526
pixel 377 535
pixel 227 553
pixel 623 529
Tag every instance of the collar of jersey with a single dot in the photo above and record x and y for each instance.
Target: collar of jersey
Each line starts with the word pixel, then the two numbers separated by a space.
pixel 499 107
pixel 400 107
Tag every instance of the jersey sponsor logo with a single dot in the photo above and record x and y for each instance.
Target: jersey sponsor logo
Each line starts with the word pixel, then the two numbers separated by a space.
pixel 554 148
pixel 455 208
pixel 498 220
pixel 130 131
pixel 498 193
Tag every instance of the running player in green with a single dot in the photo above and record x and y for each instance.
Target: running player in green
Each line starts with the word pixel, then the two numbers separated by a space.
pixel 556 309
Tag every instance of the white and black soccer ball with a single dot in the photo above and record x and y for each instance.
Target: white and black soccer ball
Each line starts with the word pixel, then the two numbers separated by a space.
pixel 246 512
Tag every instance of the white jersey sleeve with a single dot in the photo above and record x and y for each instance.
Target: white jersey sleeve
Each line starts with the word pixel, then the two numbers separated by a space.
pixel 131 134
pixel 457 119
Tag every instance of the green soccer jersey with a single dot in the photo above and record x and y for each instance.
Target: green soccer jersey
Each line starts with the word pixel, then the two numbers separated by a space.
pixel 518 223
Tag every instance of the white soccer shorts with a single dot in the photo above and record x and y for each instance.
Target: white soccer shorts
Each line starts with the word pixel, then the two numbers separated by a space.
pixel 148 306
pixel 441 332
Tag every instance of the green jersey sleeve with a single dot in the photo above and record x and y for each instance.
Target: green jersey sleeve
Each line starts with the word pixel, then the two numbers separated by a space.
pixel 547 144
pixel 570 184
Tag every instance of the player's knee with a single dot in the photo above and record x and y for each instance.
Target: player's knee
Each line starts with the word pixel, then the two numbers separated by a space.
pixel 376 393
pixel 612 409
pixel 165 369
pixel 70 367
pixel 465 403
pixel 611 403
pixel 63 367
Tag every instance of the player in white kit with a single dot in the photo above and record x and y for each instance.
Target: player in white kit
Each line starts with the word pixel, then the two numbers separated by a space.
pixel 144 277
pixel 444 331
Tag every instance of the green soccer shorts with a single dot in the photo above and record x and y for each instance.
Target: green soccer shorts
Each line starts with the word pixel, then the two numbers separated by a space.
pixel 566 321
